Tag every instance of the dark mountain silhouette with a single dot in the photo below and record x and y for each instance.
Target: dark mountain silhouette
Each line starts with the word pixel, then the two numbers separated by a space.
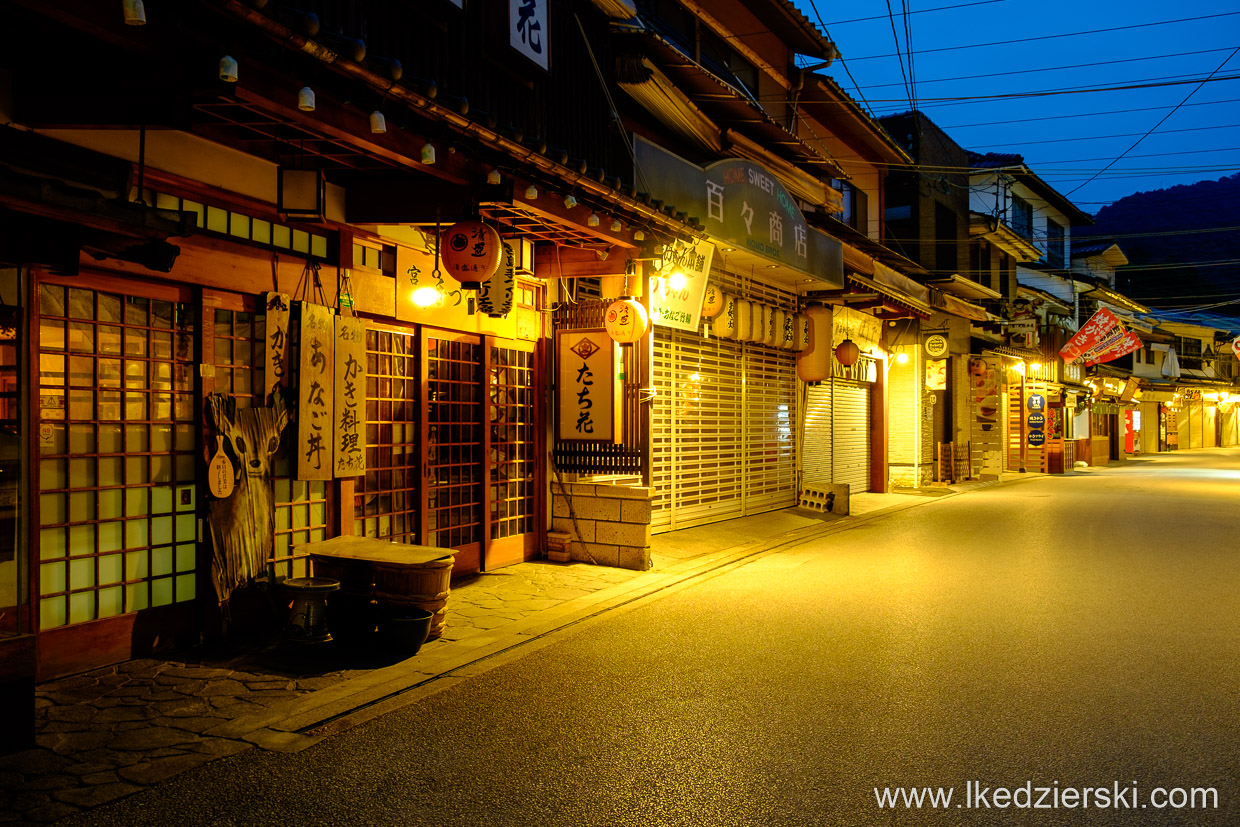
pixel 1175 231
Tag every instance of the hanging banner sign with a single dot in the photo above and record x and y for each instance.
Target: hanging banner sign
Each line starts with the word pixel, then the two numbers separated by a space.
pixel 527 29
pixel 275 344
pixel 680 308
pixel 1099 333
pixel 936 374
pixel 349 410
pixel 314 394
pixel 1126 344
pixel 586 387
pixel 861 328
pixel 1235 346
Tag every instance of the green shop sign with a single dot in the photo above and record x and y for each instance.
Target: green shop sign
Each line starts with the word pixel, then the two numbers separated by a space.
pixel 742 205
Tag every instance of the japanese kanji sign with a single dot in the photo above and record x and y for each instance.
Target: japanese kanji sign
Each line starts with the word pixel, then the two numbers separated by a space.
pixel 527 29
pixel 314 396
pixel 586 390
pixel 349 412
pixel 681 308
pixel 1100 339
pixel 275 343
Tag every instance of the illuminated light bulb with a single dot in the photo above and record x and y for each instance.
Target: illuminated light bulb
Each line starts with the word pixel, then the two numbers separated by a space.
pixel 570 201
pixel 593 220
pixel 901 358
pixel 428 153
pixel 228 69
pixel 426 296
pixel 305 99
pixel 378 123
pixel 493 177
pixel 531 192
pixel 615 225
pixel 677 281
pixel 639 236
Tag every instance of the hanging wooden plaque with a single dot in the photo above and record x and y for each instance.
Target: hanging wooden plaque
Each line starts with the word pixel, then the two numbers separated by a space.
pixel 220 477
pixel 275 343
pixel 349 416
pixel 315 395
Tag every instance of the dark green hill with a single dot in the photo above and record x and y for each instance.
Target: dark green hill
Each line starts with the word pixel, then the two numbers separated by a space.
pixel 1178 230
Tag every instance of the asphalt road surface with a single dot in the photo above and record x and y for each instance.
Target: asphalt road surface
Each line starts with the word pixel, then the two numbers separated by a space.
pixel 1049 636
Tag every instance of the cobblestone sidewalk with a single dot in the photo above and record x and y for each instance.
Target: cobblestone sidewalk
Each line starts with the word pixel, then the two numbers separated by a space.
pixel 113 731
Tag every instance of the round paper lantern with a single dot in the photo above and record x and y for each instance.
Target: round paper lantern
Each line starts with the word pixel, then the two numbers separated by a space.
pixel 847 353
pixel 744 320
pixel 814 362
pixel 495 295
pixel 800 332
pixel 626 320
pixel 725 323
pixel 712 301
pixel 471 252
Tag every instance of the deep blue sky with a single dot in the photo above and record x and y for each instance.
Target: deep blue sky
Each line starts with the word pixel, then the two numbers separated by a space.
pixel 1065 138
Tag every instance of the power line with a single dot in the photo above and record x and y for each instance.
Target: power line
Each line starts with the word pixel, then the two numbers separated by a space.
pixel 907 86
pixel 1059 68
pixel 1160 123
pixel 1083 114
pixel 919 11
pixel 1153 155
pixel 1104 137
pixel 1025 40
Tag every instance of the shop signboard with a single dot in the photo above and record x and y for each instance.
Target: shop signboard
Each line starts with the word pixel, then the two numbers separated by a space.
pixel 680 306
pixel 349 409
pixel 743 204
pixel 1037 439
pixel 315 394
pixel 1037 420
pixel 586 391
pixel 1037 402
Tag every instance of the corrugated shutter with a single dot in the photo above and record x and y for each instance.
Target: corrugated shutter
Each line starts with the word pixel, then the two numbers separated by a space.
pixel 851 425
pixel 904 412
pixel 816 453
pixel 1209 426
pixel 724 429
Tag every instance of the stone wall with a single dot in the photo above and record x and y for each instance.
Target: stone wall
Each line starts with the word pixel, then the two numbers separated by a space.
pixel 613 520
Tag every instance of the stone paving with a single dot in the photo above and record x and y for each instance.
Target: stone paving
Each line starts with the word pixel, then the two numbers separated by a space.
pixel 113 731
pixel 110 732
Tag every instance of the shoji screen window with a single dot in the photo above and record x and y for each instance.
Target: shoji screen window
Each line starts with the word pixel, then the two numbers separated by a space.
pixel 117 496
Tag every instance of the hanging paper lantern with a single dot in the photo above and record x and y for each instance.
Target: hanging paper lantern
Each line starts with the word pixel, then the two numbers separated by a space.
pixel 471 252
pixel 712 301
pixel 768 325
pixel 626 320
pixel 744 320
pixel 778 321
pixel 725 323
pixel 800 332
pixel 814 362
pixel 847 353
pixel 495 295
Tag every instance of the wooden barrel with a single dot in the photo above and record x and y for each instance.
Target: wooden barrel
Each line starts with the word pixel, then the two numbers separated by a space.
pixel 437 605
pixel 431 578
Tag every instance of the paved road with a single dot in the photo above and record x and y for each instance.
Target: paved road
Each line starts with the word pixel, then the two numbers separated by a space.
pixel 1071 632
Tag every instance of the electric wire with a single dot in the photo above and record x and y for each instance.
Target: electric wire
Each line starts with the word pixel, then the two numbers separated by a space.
pixel 919 11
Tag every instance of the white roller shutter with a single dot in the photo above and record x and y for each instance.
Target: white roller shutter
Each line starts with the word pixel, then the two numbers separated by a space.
pixel 816 453
pixel 724 429
pixel 851 426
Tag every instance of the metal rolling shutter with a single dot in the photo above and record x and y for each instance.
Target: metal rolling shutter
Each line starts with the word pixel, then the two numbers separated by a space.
pixel 904 413
pixel 851 424
pixel 816 453
pixel 724 442
pixel 770 427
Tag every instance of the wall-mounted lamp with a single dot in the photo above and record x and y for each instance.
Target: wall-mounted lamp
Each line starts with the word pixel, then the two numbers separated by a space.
pixel 378 123
pixel 531 192
pixel 135 14
pixel 569 202
pixel 639 236
pixel 305 99
pixel 677 280
pixel 228 69
pixel 901 358
pixel 593 220
pixel 494 178
pixel 428 153
pixel 615 225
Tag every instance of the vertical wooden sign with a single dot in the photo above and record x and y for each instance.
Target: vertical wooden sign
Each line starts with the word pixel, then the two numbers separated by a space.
pixel 315 376
pixel 586 391
pixel 349 417
pixel 275 344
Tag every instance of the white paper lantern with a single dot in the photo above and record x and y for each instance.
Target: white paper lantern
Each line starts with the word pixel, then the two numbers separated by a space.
pixel 712 301
pixel 626 320
pixel 800 332
pixel 725 323
pixel 768 325
pixel 778 318
pixel 744 320
pixel 471 252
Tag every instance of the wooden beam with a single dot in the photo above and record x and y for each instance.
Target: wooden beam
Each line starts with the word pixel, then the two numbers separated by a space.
pixel 572 262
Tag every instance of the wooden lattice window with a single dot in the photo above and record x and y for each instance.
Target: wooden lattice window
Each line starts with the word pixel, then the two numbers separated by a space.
pixel 386 498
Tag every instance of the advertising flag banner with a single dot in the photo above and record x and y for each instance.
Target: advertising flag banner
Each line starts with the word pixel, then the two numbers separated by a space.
pixel 1101 332
pixel 1126 344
